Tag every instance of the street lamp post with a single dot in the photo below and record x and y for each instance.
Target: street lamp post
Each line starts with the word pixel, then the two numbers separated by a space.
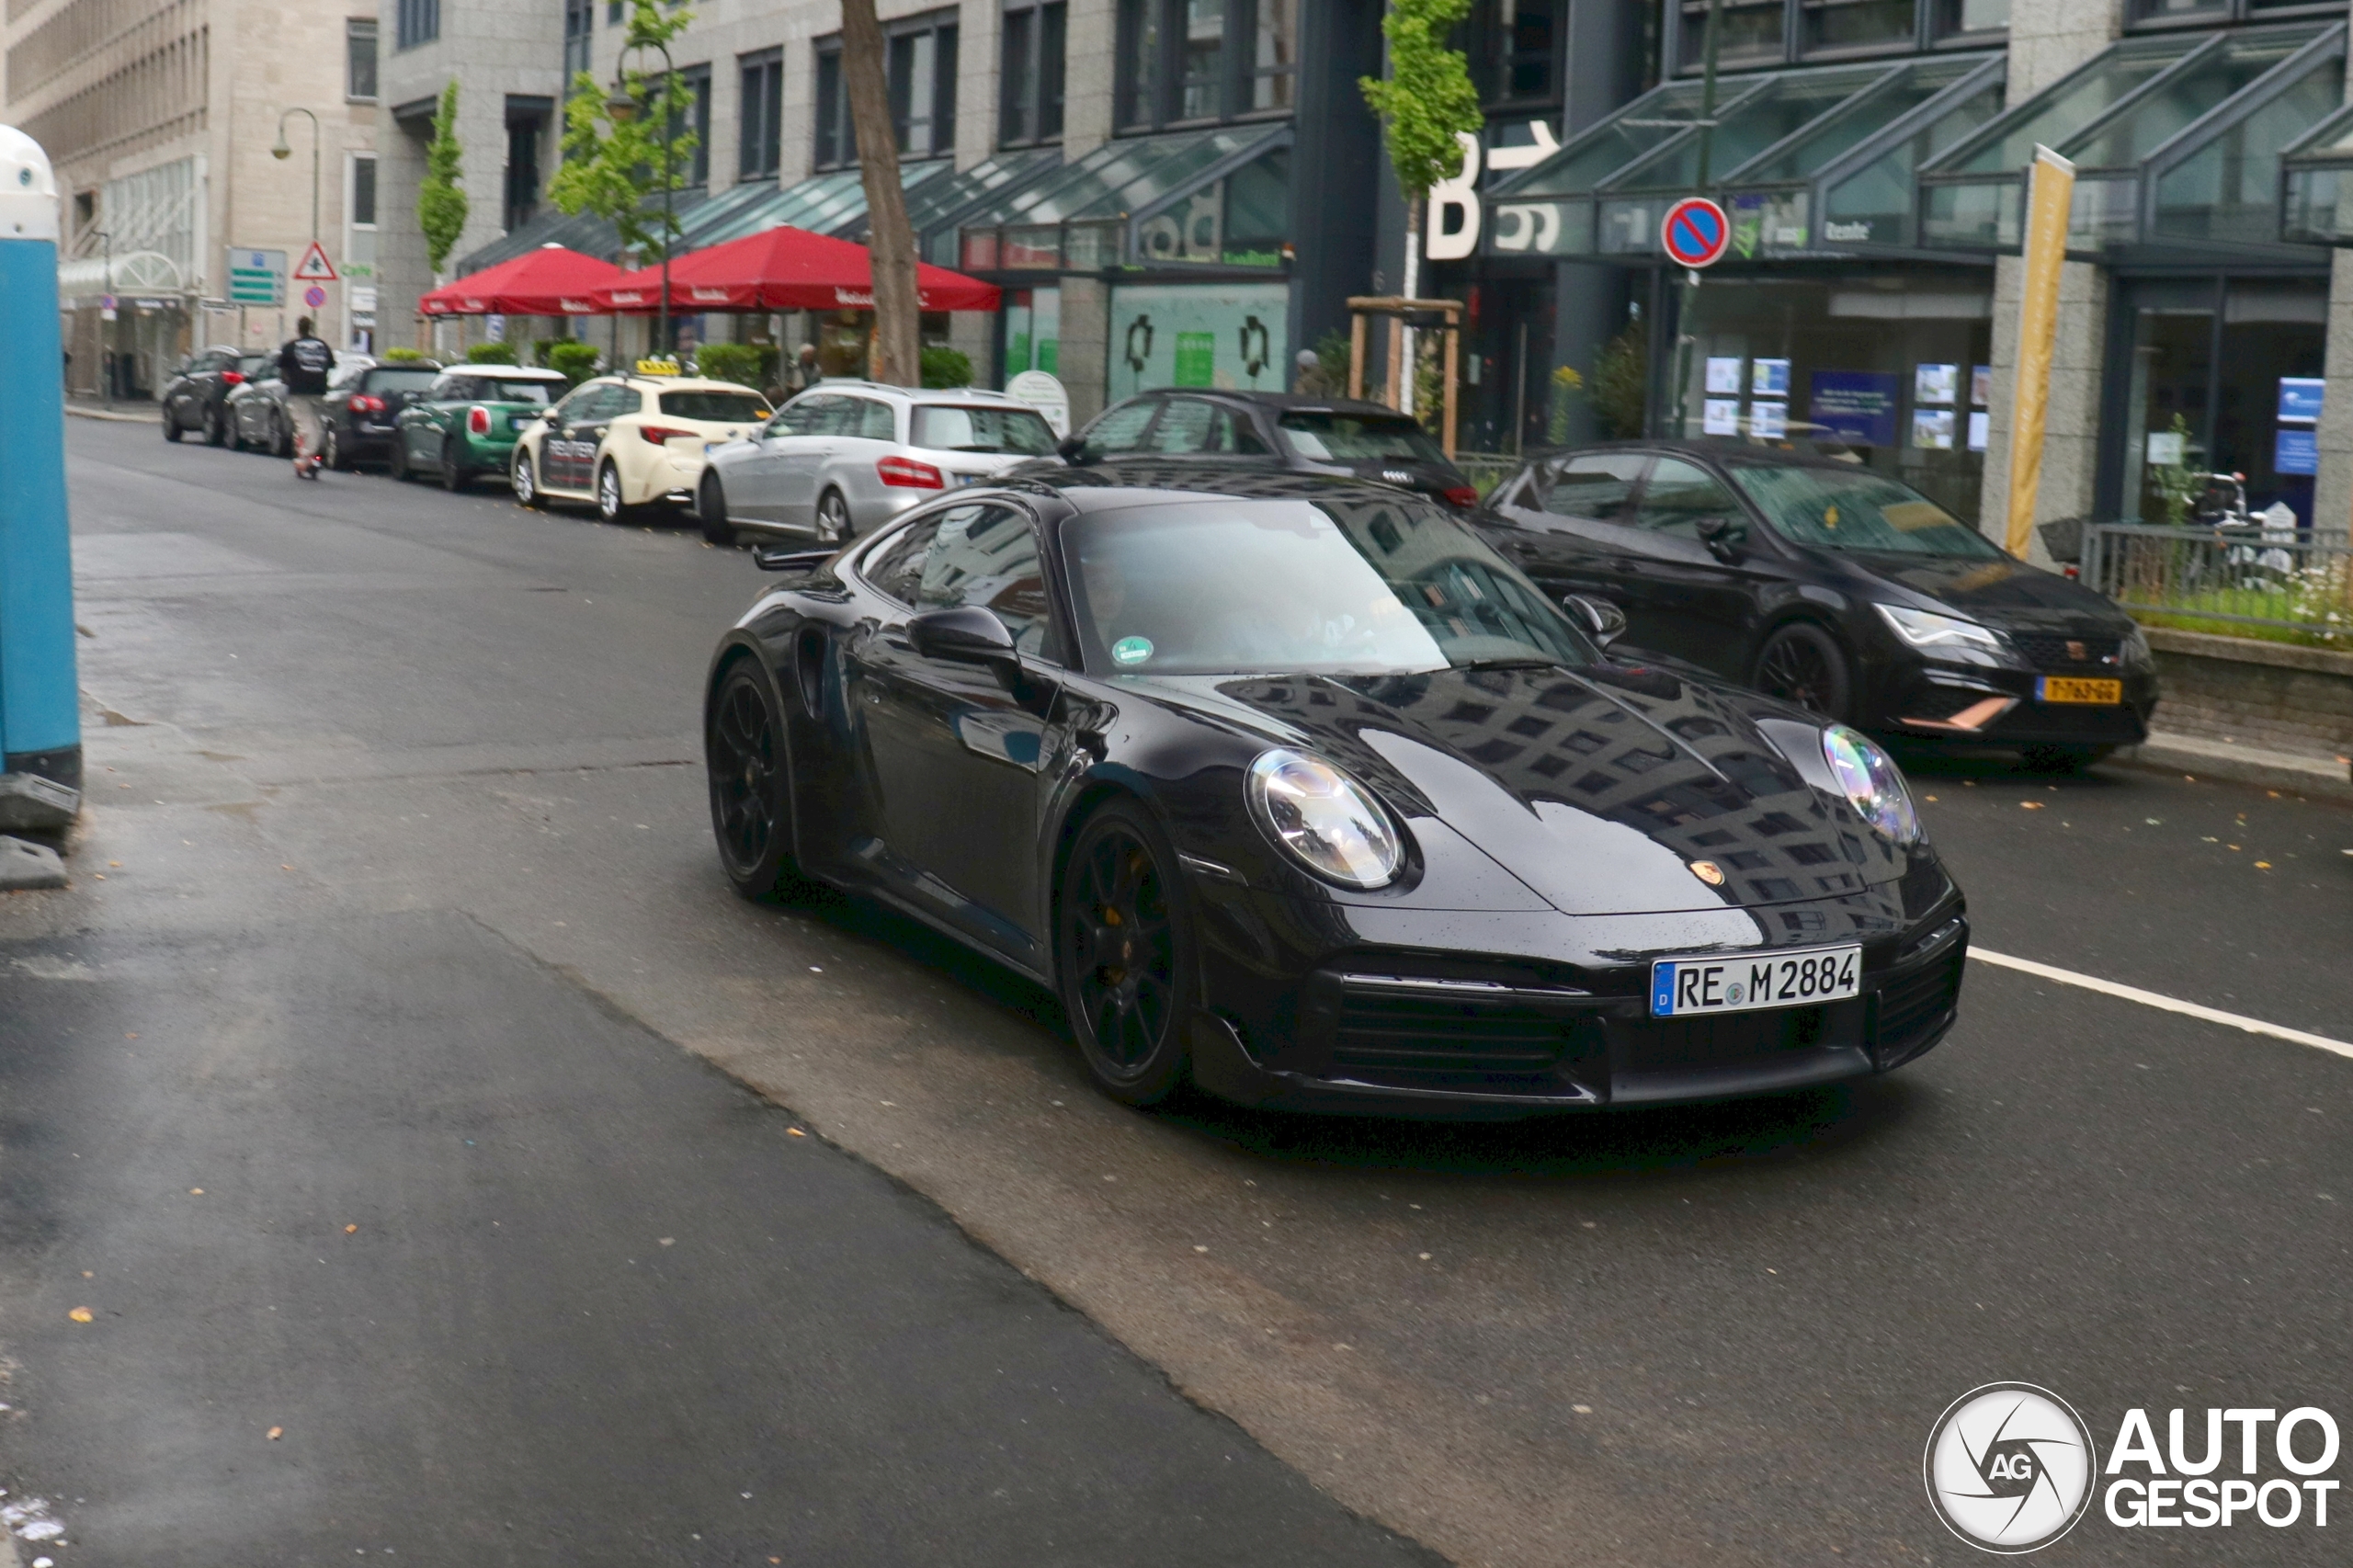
pixel 622 105
pixel 282 152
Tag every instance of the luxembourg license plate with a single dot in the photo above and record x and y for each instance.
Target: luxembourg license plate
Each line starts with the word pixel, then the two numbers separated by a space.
pixel 2074 688
pixel 1681 987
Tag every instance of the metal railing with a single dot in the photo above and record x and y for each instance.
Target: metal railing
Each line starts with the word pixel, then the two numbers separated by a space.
pixel 2257 575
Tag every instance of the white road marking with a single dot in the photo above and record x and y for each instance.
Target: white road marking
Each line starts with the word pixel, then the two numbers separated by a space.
pixel 2165 1004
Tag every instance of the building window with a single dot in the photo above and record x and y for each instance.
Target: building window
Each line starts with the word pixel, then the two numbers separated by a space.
pixel 2208 13
pixel 525 122
pixel 613 10
pixel 360 59
pixel 920 74
pixel 1955 17
pixel 760 121
pixel 693 115
pixel 1032 111
pixel 579 26
pixel 359 249
pixel 1513 46
pixel 1750 33
pixel 1188 61
pixel 419 21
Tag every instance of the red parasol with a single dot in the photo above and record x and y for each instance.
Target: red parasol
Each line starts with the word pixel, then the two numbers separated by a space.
pixel 783 268
pixel 548 282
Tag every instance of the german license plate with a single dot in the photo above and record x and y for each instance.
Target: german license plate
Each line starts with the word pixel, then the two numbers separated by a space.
pixel 2074 688
pixel 1681 987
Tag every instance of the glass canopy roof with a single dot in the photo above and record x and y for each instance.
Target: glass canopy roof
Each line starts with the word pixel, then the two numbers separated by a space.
pixel 1811 163
pixel 1201 198
pixel 2177 143
pixel 2316 205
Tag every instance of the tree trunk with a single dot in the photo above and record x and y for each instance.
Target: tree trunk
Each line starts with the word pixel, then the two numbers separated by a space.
pixel 897 357
pixel 1409 344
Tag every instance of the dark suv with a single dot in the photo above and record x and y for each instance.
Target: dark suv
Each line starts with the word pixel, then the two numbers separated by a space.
pixel 362 415
pixel 193 399
pixel 1237 431
pixel 1824 582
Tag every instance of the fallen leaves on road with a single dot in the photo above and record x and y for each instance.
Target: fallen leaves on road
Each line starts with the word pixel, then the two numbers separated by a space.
pixel 276 1433
pixel 794 1132
pixel 2263 865
pixel 351 1229
pixel 2030 805
pixel 82 1315
pixel 669 1241
pixel 196 1192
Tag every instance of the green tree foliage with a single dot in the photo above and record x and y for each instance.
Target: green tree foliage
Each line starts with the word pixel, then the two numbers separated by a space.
pixel 403 355
pixel 490 354
pixel 611 166
pixel 577 360
pixel 440 198
pixel 749 365
pixel 1428 98
pixel 1621 383
pixel 944 368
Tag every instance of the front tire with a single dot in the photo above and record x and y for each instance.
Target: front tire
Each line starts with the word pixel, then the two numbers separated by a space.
pixel 281 436
pixel 526 479
pixel 1123 955
pixel 1802 664
pixel 834 525
pixel 454 475
pixel 609 504
pixel 172 431
pixel 216 430
pixel 711 511
pixel 751 787
pixel 397 463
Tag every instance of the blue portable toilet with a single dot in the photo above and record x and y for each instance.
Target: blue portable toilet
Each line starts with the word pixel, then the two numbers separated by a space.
pixel 40 720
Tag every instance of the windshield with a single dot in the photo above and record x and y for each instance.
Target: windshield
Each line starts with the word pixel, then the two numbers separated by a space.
pixel 253 366
pixel 517 390
pixel 400 379
pixel 1352 438
pixel 1300 587
pixel 721 407
pixel 1833 510
pixel 955 429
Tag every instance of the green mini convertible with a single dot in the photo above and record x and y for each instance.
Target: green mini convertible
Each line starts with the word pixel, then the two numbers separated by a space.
pixel 465 424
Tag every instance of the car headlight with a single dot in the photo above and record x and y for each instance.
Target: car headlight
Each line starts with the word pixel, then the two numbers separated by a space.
pixel 2137 655
pixel 1933 634
pixel 1874 786
pixel 1328 822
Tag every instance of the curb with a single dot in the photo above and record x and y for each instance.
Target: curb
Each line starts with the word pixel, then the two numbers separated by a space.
pixel 108 413
pixel 2207 759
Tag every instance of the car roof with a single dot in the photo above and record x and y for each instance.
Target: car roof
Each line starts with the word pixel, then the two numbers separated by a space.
pixel 912 395
pixel 527 373
pixel 1089 489
pixel 1716 452
pixel 1284 402
pixel 672 383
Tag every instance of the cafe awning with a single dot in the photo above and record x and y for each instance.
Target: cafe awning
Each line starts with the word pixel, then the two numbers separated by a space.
pixel 783 268
pixel 548 282
pixel 1814 163
pixel 1200 198
pixel 2176 141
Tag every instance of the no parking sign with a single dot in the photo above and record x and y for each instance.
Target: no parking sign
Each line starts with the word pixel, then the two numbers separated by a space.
pixel 1695 232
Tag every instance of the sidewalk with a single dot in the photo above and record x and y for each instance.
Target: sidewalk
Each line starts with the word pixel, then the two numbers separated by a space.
pixel 2207 758
pixel 123 413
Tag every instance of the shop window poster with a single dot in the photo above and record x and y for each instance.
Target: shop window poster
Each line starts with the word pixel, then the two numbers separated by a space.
pixel 1981 429
pixel 2295 451
pixel 2299 400
pixel 1196 335
pixel 1860 405
pixel 1720 417
pixel 1981 386
pixel 1769 378
pixel 1723 373
pixel 1935 384
pixel 1932 430
pixel 1768 420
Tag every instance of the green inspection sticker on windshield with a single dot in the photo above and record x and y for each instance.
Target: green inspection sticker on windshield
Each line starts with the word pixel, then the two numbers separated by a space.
pixel 1131 650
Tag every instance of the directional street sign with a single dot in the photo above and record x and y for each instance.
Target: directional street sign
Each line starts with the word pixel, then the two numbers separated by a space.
pixel 1695 232
pixel 257 278
pixel 315 267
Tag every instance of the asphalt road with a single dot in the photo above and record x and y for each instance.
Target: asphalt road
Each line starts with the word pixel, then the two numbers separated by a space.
pixel 403 844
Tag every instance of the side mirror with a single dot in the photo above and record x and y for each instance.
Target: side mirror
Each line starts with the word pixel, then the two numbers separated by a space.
pixel 1603 621
pixel 1073 450
pixel 1723 537
pixel 549 418
pixel 964 634
pixel 768 558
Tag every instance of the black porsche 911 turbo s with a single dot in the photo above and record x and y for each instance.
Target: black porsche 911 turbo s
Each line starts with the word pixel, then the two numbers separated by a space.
pixel 1298 788
pixel 1817 580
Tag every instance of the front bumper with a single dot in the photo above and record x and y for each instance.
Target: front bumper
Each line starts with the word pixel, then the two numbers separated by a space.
pixel 1998 705
pixel 1413 1028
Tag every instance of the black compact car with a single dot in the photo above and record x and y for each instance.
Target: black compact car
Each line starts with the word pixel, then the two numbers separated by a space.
pixel 195 398
pixel 361 416
pixel 1819 581
pixel 1296 787
pixel 1251 431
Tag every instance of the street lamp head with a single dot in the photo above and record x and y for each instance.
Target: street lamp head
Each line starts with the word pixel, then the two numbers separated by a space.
pixel 622 108
pixel 281 152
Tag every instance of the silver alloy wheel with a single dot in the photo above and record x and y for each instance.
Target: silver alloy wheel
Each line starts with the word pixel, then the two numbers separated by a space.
pixel 609 494
pixel 526 491
pixel 833 516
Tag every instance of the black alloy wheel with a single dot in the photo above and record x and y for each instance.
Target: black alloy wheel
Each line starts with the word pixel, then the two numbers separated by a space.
pixel 832 517
pixel 751 793
pixel 172 431
pixel 711 511
pixel 526 479
pixel 455 477
pixel 1802 664
pixel 1124 955
pixel 216 429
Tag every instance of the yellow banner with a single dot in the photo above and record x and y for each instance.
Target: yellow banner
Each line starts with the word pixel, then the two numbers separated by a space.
pixel 2047 202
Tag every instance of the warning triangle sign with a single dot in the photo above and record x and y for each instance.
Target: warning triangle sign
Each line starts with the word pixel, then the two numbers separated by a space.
pixel 315 267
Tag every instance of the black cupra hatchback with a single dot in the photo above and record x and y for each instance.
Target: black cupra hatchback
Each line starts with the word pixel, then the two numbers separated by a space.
pixel 1293 786
pixel 1815 579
